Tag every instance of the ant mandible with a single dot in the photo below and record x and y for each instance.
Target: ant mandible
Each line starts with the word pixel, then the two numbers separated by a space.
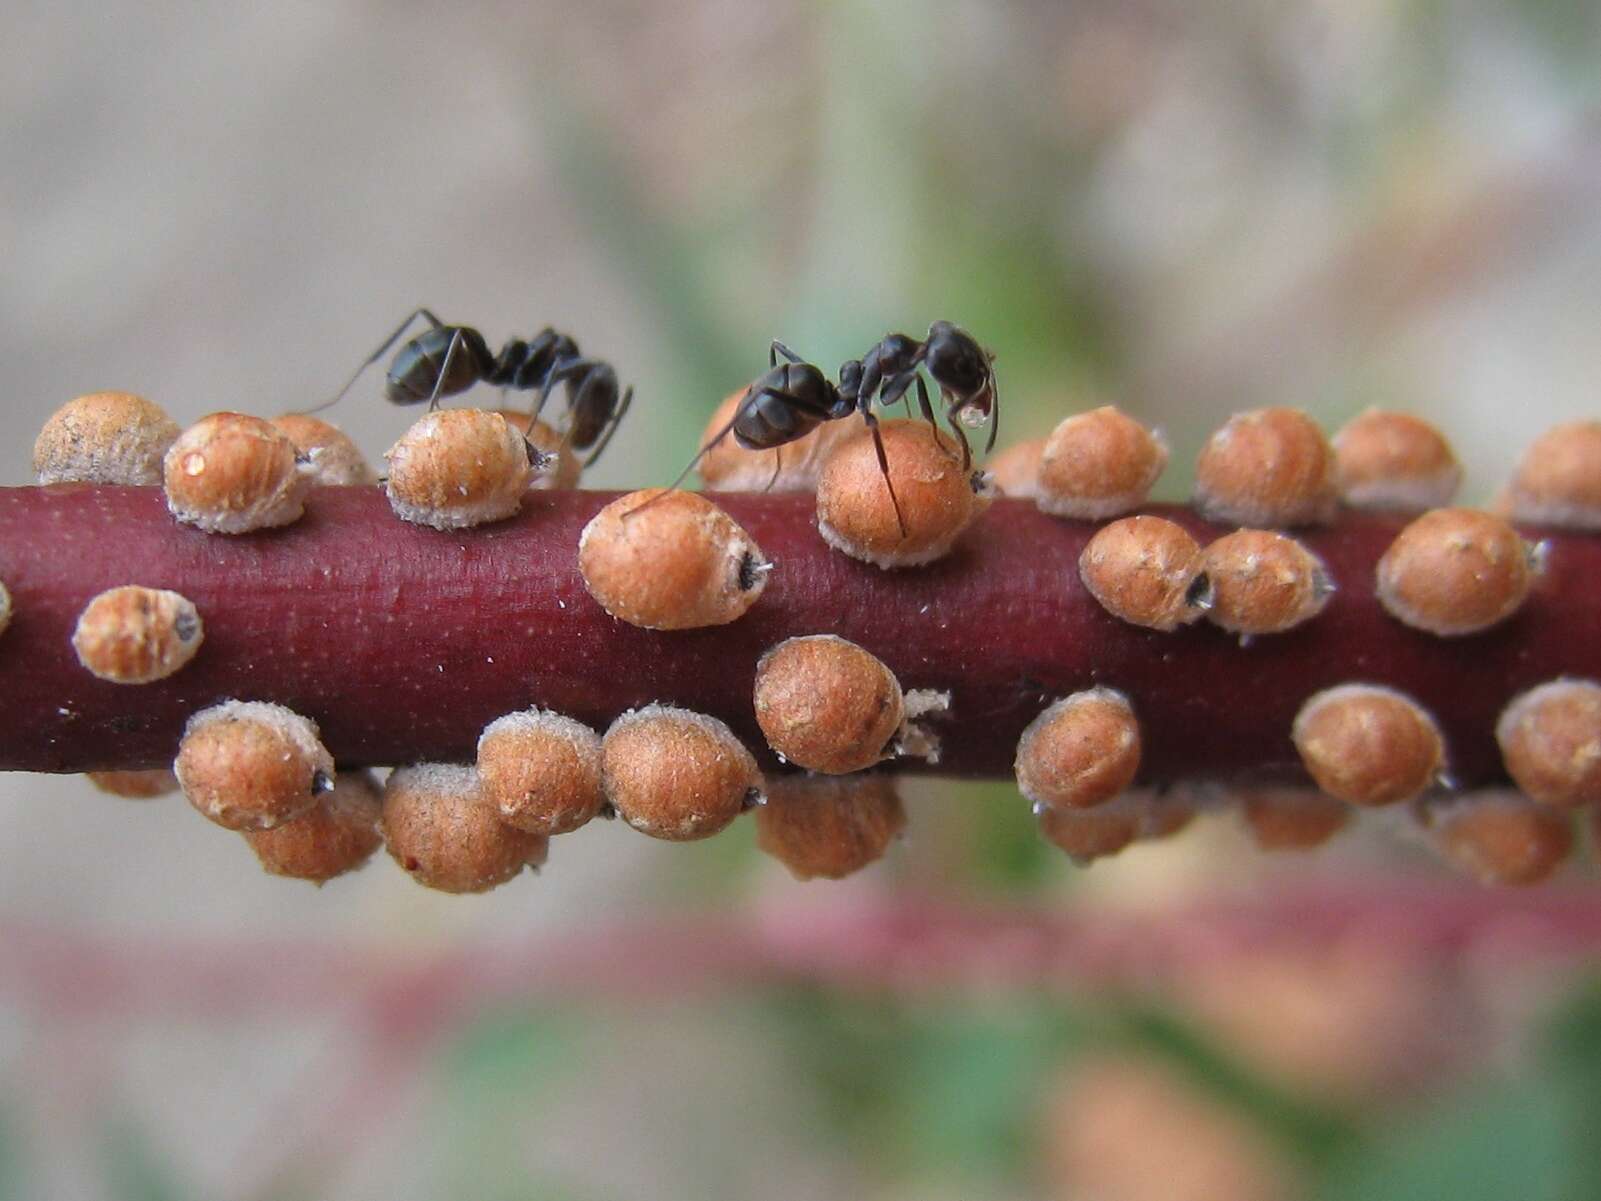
pixel 446 359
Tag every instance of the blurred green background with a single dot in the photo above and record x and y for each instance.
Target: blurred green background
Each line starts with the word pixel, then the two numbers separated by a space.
pixel 1186 209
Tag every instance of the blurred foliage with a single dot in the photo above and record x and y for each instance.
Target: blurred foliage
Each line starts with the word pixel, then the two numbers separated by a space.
pixel 133 1167
pixel 950 1092
pixel 13 1171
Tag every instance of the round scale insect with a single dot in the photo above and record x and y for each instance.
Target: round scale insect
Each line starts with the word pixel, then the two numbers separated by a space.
pixel 445 360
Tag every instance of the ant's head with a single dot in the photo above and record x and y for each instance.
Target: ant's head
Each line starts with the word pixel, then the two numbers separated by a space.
pixel 961 368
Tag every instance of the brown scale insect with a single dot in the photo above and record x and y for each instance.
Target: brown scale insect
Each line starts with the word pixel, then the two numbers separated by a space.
pixel 1288 818
pixel 677 775
pixel 1394 462
pixel 104 438
pixel 1558 481
pixel 1550 739
pixel 1453 572
pixel 336 835
pixel 1147 571
pixel 134 785
pixel 1080 752
pixel 1098 464
pixel 827 705
pixel 670 561
pixel 1139 815
pixel 938 496
pixel 230 473
pixel 1267 468
pixel 446 835
pixel 457 468
pixel 1368 745
pixel 332 459
pixel 829 827
pixel 541 771
pixel 1015 470
pixel 249 765
pixel 1499 837
pixel 1263 583
pixel 136 635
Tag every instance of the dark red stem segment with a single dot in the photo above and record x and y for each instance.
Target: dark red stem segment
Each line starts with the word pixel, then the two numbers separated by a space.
pixel 404 642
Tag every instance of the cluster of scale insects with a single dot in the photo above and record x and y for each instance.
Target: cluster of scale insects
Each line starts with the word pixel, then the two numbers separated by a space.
pixel 897 494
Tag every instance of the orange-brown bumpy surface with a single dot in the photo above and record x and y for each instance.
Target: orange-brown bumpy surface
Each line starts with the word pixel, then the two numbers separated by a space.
pixel 826 704
pixel 541 771
pixel 1292 819
pixel 937 498
pixel 1394 461
pixel 677 775
pixel 1455 571
pixel 104 438
pixel 1263 582
pixel 679 564
pixel 1502 838
pixel 1267 467
pixel 1137 815
pixel 333 458
pixel 1145 570
pixel 252 766
pixel 1015 471
pixel 457 468
pixel 1082 751
pixel 829 827
pixel 1098 464
pixel 230 473
pixel 135 635
pixel 1551 742
pixel 1558 481
pixel 336 835
pixel 1368 745
pixel 135 785
pixel 440 829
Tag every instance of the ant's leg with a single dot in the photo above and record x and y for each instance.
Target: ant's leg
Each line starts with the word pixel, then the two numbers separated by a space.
pixel 995 417
pixel 967 450
pixel 898 389
pixel 923 404
pixel 382 350
pixel 883 467
pixel 778 348
pixel 778 466
pixel 439 380
pixel 565 370
pixel 611 426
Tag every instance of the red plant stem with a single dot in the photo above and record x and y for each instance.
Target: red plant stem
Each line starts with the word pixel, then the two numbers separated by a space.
pixel 404 642
pixel 913 947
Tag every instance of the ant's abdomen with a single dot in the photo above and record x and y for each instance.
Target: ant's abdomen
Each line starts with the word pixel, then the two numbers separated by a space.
pixel 414 374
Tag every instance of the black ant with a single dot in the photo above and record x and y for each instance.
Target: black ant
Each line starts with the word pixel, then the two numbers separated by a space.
pixel 962 369
pixel 446 359
pixel 795 397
